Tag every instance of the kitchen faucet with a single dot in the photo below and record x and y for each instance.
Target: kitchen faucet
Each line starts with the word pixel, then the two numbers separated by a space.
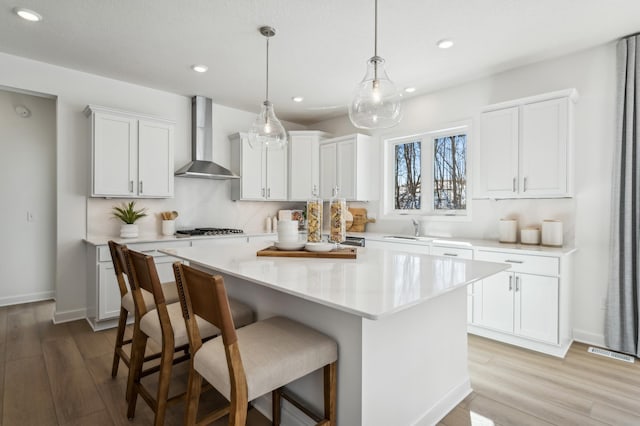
pixel 416 227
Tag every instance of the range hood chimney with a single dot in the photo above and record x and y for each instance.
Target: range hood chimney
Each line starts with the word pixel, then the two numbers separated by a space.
pixel 202 165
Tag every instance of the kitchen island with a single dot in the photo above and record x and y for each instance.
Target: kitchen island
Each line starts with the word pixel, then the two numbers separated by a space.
pixel 399 319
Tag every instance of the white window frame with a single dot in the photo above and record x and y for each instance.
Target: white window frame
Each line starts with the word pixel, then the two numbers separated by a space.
pixel 426 203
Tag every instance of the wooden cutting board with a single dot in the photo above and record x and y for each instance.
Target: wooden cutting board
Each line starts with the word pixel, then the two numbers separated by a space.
pixel 360 219
pixel 340 253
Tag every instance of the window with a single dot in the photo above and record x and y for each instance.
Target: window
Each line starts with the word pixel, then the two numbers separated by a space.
pixel 427 173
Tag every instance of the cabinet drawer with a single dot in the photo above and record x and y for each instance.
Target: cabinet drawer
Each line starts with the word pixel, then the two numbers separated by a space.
pixel 539 265
pixel 462 253
pixel 104 255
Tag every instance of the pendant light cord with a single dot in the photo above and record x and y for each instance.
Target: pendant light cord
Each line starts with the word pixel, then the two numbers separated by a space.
pixel 375 44
pixel 267 91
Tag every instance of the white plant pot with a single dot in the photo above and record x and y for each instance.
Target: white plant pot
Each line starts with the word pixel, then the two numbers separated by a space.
pixel 129 230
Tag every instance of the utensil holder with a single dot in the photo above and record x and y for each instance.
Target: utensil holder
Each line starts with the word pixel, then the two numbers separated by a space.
pixel 168 227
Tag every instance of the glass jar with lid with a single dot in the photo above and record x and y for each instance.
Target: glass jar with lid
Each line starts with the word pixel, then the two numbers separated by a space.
pixel 338 220
pixel 314 220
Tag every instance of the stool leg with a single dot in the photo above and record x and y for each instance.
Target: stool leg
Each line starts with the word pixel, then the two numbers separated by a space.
pixel 193 396
pixel 122 322
pixel 138 346
pixel 330 392
pixel 276 409
pixel 166 363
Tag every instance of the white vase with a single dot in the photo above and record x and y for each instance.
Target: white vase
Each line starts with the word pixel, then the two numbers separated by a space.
pixel 129 230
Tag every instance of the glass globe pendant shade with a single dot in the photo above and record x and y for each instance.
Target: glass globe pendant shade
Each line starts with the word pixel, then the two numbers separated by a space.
pixel 377 101
pixel 266 131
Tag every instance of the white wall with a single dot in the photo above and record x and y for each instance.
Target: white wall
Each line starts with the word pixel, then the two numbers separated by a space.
pixel 27 186
pixel 74 90
pixel 586 216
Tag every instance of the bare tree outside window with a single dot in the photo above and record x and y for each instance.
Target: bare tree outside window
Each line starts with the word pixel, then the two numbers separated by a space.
pixel 450 173
pixel 408 179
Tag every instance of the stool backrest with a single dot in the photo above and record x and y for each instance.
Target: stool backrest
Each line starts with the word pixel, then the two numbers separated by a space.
pixel 204 295
pixel 143 274
pixel 118 265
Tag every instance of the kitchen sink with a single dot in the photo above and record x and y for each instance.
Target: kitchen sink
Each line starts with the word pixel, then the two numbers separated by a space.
pixel 407 238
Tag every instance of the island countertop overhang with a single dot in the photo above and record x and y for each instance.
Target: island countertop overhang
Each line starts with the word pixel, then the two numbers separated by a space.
pixel 378 283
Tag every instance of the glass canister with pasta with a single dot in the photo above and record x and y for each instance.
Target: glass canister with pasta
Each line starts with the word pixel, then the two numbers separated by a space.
pixel 314 220
pixel 338 220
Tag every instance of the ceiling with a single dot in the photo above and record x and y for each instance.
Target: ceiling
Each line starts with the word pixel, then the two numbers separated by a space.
pixel 320 49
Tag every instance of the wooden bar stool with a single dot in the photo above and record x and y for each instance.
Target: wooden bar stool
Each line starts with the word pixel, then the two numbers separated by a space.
pixel 164 325
pixel 126 306
pixel 249 362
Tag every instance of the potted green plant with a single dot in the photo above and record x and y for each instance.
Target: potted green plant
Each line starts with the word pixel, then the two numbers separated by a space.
pixel 128 214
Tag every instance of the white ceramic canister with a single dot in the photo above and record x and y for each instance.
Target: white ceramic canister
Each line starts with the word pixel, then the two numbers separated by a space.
pixel 508 231
pixel 530 236
pixel 552 233
pixel 168 227
pixel 288 231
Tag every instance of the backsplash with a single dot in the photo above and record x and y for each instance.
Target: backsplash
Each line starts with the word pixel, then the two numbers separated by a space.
pixel 485 216
pixel 199 202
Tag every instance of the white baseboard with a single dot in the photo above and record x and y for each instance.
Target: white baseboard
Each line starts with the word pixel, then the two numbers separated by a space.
pixel 588 337
pixel 27 298
pixel 291 416
pixel 446 404
pixel 67 316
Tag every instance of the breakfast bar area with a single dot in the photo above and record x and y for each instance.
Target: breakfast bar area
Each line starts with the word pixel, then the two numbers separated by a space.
pixel 399 319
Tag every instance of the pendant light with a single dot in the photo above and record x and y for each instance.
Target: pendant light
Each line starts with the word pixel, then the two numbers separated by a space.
pixel 267 132
pixel 377 101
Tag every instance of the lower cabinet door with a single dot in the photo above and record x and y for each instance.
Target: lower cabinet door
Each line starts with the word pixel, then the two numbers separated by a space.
pixel 536 299
pixel 497 302
pixel 109 293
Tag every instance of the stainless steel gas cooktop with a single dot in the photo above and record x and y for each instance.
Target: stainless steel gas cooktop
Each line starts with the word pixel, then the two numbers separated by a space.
pixel 210 231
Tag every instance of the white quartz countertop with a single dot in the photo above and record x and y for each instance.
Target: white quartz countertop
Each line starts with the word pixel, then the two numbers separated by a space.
pixel 378 283
pixel 101 240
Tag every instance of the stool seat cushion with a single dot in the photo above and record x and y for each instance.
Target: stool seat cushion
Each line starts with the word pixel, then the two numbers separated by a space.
pixel 169 290
pixel 150 323
pixel 274 352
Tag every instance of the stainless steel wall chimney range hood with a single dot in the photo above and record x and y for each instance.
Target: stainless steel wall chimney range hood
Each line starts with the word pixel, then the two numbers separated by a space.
pixel 202 165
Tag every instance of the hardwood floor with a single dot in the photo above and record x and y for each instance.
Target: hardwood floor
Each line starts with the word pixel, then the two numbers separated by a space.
pixel 60 375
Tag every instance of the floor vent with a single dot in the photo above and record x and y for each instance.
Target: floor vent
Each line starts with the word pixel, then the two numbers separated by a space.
pixel 611 354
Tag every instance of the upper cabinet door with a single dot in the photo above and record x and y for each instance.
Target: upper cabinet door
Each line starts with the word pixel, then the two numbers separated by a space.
pixel 155 159
pixel 276 183
pixel 543 148
pixel 252 172
pixel 328 170
pixel 346 164
pixel 498 171
pixel 304 164
pixel 114 155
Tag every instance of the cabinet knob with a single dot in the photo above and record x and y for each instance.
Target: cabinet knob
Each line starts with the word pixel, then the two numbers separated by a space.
pixel 141 187
pixel 510 282
pixel 130 186
pixel 268 192
pixel 513 185
pixel 524 185
pixel 450 254
pixel 517 283
pixel 263 192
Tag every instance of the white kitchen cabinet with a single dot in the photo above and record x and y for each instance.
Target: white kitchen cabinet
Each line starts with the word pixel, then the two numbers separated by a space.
pixel 304 164
pixel 528 305
pixel 525 148
pixel 348 168
pixel 263 173
pixel 131 155
pixel 103 293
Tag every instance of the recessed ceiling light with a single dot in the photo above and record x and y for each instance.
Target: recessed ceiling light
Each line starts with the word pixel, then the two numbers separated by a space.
pixel 199 68
pixel 297 99
pixel 27 14
pixel 409 89
pixel 445 43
